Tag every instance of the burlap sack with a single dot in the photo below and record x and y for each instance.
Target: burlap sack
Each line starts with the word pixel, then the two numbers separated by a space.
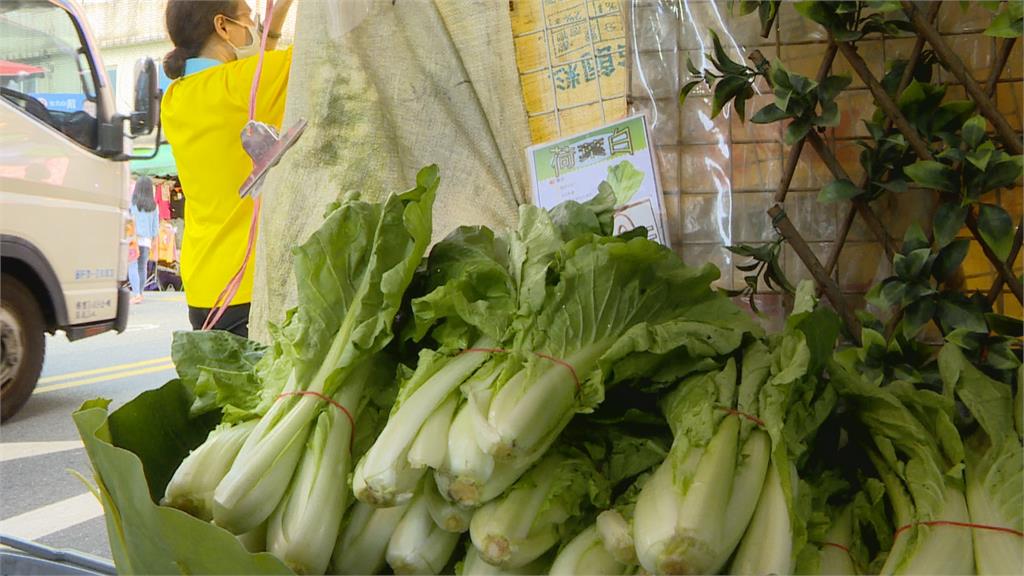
pixel 415 82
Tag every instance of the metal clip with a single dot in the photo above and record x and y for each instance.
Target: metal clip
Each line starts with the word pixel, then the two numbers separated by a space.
pixel 262 143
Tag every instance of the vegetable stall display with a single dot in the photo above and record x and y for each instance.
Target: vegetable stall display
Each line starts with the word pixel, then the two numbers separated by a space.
pixel 553 399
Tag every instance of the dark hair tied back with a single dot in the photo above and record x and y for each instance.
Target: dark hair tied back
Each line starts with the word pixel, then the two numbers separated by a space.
pixel 190 25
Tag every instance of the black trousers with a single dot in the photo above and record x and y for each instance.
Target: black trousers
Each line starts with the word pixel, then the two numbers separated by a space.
pixel 235 319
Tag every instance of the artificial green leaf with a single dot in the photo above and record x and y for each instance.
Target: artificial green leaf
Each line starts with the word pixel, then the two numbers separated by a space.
pixel 1004 25
pixel 780 79
pixel 996 229
pixel 796 131
pixel 692 67
pixel 909 266
pixel 914 239
pixel 725 63
pixel 974 131
pixel 814 10
pixel 965 339
pixel 1002 356
pixel 1003 173
pixel 917 290
pixel 931 174
pixel 687 89
pixel 782 97
pixel 951 115
pixel 949 259
pixel 625 181
pixel 953 155
pixel 889 293
pixel 829 115
pixel 897 185
pixel 949 219
pixel 131 466
pixel 961 313
pixel 739 103
pixel 979 158
pixel 725 90
pixel 847 35
pixel 832 86
pixel 916 315
pixel 1005 325
pixel 839 190
pixel 768 114
pixel 912 95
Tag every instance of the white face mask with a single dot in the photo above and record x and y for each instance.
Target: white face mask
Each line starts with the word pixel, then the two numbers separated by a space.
pixel 250 49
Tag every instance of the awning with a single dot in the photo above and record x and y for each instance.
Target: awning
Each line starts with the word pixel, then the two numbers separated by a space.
pixel 162 165
pixel 8 68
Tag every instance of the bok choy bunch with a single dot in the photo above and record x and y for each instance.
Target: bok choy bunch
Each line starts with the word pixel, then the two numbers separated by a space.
pixel 995 463
pixel 794 402
pixel 693 510
pixel 526 522
pixel 351 277
pixel 919 456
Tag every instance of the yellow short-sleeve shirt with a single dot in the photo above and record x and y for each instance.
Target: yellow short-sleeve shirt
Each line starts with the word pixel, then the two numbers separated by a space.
pixel 203 114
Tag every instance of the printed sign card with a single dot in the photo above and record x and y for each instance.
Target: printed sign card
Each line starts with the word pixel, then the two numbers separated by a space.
pixel 618 156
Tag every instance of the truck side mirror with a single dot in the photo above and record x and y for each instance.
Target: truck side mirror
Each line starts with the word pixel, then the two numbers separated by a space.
pixel 147 98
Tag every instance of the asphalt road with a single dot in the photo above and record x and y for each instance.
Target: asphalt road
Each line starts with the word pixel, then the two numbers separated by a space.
pixel 39 447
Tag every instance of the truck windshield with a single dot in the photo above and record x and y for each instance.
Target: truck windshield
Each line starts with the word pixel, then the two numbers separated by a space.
pixel 44 69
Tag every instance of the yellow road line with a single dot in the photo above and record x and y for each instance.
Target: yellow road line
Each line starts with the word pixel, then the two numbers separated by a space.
pixel 104 370
pixel 105 378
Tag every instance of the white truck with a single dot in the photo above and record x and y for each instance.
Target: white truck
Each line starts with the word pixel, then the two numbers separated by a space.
pixel 64 178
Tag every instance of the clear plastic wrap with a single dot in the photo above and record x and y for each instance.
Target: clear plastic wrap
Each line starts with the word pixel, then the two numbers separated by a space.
pixel 720 174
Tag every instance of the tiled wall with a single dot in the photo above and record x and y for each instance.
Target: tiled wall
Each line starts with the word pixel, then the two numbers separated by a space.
pixel 719 175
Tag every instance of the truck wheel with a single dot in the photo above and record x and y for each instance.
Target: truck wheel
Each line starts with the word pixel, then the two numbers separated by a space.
pixel 22 345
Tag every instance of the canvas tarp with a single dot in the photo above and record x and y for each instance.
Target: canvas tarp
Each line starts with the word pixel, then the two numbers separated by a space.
pixel 414 82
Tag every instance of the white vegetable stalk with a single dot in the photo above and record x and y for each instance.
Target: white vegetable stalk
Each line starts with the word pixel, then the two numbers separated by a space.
pixel 474 565
pixel 527 412
pixel 767 546
pixel 586 554
pixel 254 540
pixel 834 560
pixel 692 527
pixel 616 534
pixel 418 545
pixel 466 467
pixel 192 486
pixel 919 549
pixel 447 515
pixel 304 527
pixel 518 528
pixel 995 498
pixel 364 540
pixel 384 476
pixel 263 469
pixel 431 444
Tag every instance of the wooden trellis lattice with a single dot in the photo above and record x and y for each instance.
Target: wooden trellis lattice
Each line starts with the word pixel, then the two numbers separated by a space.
pixel 922 21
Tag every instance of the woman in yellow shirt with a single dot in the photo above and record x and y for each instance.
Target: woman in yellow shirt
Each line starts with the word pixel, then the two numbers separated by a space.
pixel 216 43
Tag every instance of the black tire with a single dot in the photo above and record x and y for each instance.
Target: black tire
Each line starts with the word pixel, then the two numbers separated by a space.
pixel 22 345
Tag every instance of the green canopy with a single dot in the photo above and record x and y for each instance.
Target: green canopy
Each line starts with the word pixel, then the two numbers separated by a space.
pixel 160 165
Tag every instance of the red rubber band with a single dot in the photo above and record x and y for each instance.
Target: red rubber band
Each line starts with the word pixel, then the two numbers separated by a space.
pixel 556 360
pixel 1003 529
pixel 329 400
pixel 750 417
pixel 836 545
pixel 844 549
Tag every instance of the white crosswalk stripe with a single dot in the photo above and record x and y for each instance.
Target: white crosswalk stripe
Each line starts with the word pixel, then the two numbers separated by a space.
pixel 52 518
pixel 15 450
